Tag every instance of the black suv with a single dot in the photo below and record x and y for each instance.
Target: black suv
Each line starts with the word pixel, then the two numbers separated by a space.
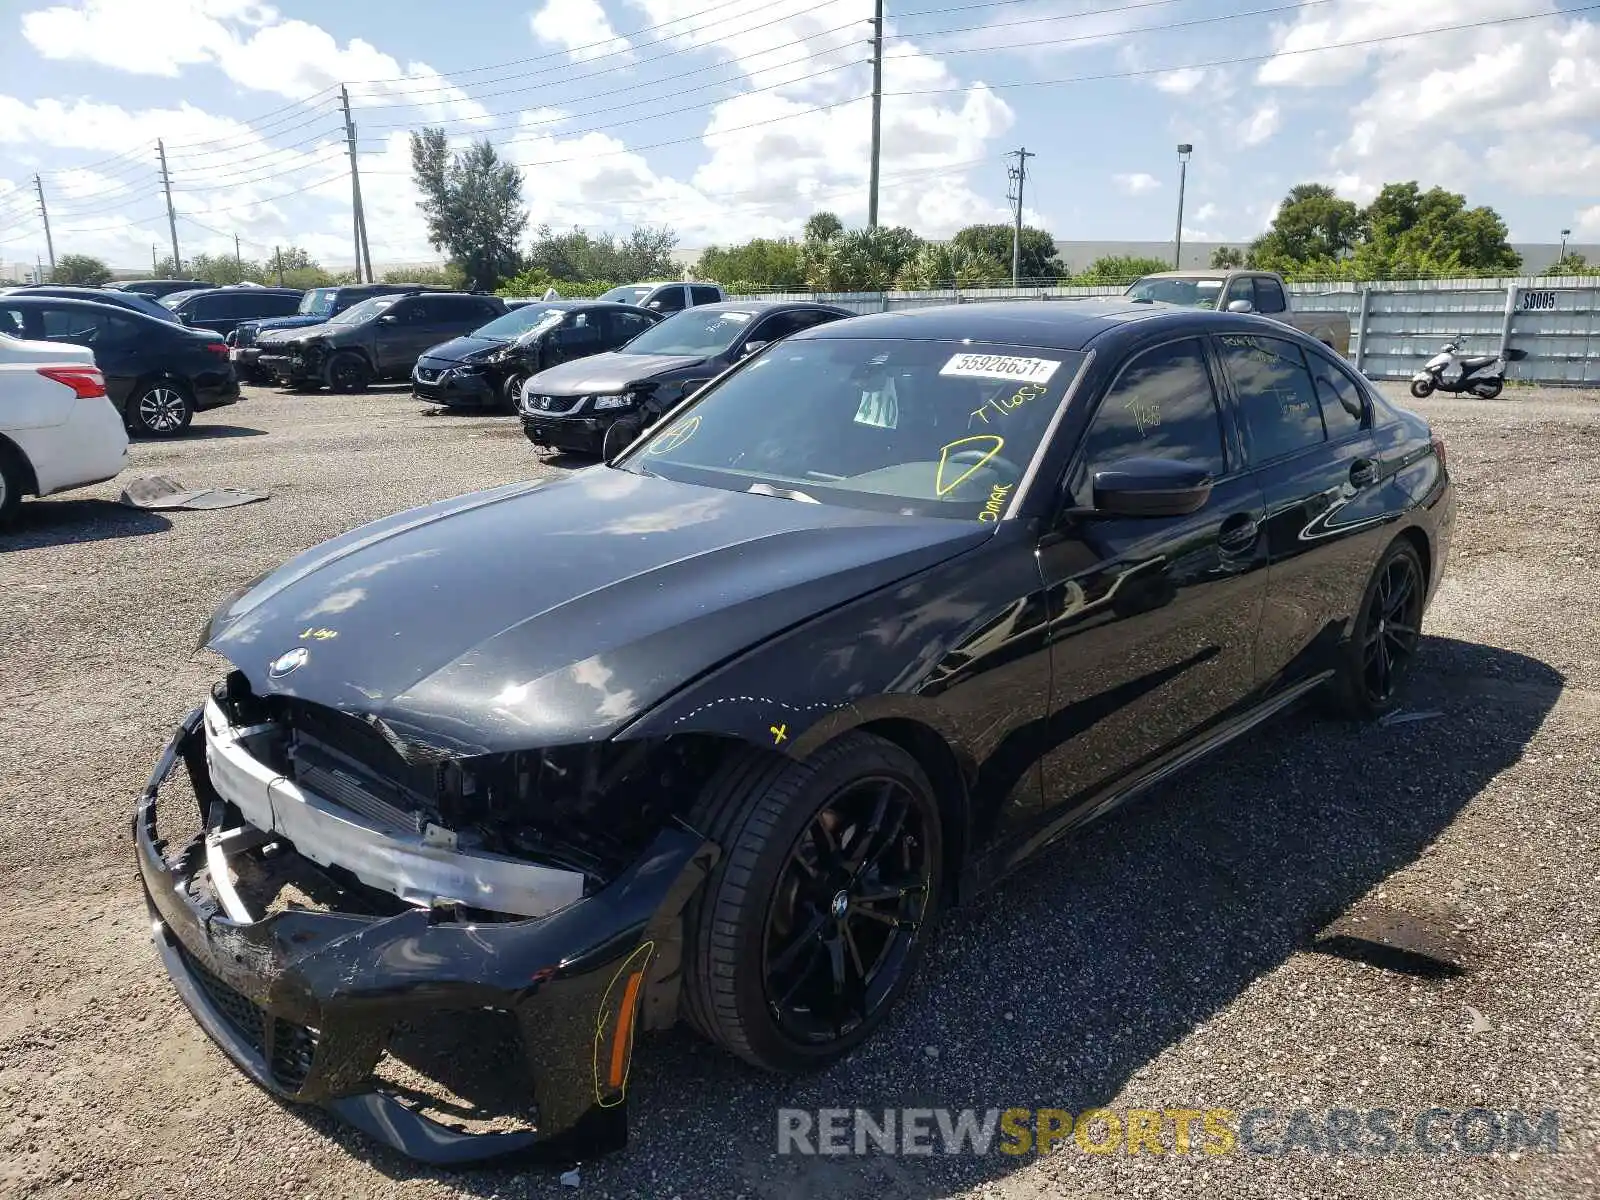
pixel 315 307
pixel 380 338
pixel 158 373
pixel 226 308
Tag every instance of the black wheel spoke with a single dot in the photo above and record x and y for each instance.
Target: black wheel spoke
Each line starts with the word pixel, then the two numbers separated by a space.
pixel 826 846
pixel 790 954
pixel 865 838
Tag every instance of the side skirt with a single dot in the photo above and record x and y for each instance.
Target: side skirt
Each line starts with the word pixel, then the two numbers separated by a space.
pixel 994 865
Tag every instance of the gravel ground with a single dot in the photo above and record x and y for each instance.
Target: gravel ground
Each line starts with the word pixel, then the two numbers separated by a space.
pixel 1161 961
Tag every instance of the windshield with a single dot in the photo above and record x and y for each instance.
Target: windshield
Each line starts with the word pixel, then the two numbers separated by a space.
pixel 519 321
pixel 702 332
pixel 364 311
pixel 925 428
pixel 1189 293
pixel 318 302
pixel 631 294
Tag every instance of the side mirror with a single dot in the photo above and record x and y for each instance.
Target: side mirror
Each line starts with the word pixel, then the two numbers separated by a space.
pixel 387 319
pixel 654 304
pixel 1150 487
pixel 1241 306
pixel 751 347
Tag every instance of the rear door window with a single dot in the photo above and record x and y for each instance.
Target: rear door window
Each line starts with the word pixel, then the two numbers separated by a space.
pixel 1278 408
pixel 705 295
pixel 669 299
pixel 1344 409
pixel 72 325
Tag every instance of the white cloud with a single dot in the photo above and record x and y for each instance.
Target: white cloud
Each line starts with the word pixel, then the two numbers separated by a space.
pixel 1206 212
pixel 579 27
pixel 1182 81
pixel 1517 103
pixel 1136 183
pixel 1263 123
pixel 1588 223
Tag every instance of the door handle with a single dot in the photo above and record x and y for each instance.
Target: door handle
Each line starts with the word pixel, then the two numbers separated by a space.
pixel 1363 472
pixel 1238 534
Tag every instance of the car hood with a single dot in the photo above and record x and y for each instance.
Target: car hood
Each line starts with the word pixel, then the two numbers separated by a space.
pixel 609 372
pixel 551 613
pixel 464 349
pixel 296 333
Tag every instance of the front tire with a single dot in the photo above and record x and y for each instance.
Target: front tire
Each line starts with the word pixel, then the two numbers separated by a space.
pixel 1422 388
pixel 348 372
pixel 813 922
pixel 619 436
pixel 1375 663
pixel 511 389
pixel 163 408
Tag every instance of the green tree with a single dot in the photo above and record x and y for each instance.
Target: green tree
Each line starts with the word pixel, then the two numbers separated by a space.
pixel 222 270
pixel 1572 263
pixel 1411 232
pixel 765 264
pixel 947 264
pixel 1036 251
pixel 860 260
pixel 80 270
pixel 1227 258
pixel 820 226
pixel 1313 230
pixel 579 257
pixel 450 275
pixel 1119 268
pixel 472 200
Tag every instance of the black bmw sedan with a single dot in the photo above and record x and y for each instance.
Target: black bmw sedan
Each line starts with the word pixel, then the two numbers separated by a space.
pixel 599 405
pixel 488 367
pixel 717 729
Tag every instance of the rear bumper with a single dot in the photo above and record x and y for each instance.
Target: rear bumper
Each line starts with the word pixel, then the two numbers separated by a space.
pixel 305 1001
pixel 212 391
pixel 91 446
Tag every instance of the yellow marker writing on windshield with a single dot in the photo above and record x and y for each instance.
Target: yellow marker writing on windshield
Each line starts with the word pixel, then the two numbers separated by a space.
pixel 676 436
pixel 984 445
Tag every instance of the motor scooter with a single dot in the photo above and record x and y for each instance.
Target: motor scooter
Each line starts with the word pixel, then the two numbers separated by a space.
pixel 1451 371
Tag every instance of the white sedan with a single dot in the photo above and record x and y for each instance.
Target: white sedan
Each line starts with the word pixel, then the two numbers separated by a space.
pixel 58 429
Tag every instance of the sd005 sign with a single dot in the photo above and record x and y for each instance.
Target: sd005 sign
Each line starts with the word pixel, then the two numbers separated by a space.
pixel 1538 301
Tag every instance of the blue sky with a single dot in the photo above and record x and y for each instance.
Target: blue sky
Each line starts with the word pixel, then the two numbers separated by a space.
pixel 728 120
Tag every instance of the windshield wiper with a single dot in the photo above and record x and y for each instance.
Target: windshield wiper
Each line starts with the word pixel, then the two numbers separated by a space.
pixel 766 489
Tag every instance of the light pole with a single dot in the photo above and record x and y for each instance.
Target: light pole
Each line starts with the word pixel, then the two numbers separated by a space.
pixel 1184 150
pixel 1565 234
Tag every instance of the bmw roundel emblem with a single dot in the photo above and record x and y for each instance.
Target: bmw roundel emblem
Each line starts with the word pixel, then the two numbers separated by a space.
pixel 291 661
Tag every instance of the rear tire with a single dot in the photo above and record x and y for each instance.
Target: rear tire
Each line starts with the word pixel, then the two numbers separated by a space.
pixel 1422 388
pixel 160 408
pixel 1375 663
pixel 13 481
pixel 845 848
pixel 1488 390
pixel 348 372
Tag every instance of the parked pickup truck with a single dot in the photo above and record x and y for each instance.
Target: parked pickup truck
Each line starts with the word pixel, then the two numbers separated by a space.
pixel 1260 292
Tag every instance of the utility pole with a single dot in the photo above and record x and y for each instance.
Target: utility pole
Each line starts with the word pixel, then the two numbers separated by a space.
pixel 152 260
pixel 877 111
pixel 1017 177
pixel 1184 151
pixel 238 259
pixel 277 258
pixel 363 253
pixel 44 215
pixel 172 217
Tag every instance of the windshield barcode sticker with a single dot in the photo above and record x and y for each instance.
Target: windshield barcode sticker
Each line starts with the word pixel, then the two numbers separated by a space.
pixel 1001 366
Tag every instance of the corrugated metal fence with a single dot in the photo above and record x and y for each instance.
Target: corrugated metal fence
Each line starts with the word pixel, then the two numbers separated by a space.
pixel 1394 326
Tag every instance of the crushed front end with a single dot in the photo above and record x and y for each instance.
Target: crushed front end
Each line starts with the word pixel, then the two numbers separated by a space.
pixel 322 920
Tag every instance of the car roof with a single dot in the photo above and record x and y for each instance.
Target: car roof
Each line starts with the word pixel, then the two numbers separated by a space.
pixel 112 307
pixel 1070 324
pixel 755 307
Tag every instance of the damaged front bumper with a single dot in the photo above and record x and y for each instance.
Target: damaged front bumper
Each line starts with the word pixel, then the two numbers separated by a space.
pixel 305 1001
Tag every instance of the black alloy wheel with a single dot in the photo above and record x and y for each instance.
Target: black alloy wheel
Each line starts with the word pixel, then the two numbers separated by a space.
pixel 846 911
pixel 1392 627
pixel 814 919
pixel 348 372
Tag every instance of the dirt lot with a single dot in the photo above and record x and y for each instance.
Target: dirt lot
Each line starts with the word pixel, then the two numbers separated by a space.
pixel 1162 961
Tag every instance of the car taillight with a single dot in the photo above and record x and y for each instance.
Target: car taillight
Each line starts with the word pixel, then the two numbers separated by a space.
pixel 217 348
pixel 1438 448
pixel 86 382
